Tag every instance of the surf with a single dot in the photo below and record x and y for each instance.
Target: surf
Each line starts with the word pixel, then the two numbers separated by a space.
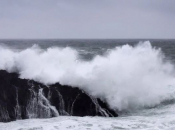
pixel 126 77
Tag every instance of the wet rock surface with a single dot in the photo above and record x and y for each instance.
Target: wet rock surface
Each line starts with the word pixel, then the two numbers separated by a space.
pixel 24 99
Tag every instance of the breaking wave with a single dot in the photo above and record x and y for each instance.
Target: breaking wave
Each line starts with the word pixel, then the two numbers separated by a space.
pixel 126 77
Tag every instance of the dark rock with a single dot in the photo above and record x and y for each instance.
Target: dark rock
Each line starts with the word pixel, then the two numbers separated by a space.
pixel 23 99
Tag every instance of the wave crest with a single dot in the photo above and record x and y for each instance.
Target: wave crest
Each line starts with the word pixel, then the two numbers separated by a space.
pixel 126 77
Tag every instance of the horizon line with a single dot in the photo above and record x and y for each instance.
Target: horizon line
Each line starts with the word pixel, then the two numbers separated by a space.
pixel 87 38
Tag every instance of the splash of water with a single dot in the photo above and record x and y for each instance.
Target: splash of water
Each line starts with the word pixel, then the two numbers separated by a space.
pixel 126 77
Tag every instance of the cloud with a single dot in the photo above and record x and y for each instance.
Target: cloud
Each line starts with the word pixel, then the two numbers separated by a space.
pixel 87 19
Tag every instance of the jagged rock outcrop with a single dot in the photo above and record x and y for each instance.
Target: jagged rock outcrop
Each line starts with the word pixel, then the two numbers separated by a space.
pixel 23 99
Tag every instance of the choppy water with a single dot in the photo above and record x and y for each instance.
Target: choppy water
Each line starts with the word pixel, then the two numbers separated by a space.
pixel 137 80
pixel 153 119
pixel 89 48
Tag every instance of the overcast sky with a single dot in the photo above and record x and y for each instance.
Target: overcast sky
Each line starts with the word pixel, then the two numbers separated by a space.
pixel 87 19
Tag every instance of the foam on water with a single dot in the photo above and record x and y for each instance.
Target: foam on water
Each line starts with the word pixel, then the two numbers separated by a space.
pixel 127 77
pixel 153 119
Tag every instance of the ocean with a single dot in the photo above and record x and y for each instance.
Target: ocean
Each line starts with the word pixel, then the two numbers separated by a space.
pixel 136 77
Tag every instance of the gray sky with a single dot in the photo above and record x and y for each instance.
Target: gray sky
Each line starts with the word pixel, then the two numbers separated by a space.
pixel 87 19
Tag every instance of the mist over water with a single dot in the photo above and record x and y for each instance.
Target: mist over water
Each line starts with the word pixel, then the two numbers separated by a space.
pixel 127 77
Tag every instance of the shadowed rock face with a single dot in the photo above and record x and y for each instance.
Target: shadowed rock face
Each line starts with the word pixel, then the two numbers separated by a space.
pixel 23 99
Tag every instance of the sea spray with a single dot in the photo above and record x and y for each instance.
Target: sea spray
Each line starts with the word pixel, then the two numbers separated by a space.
pixel 127 77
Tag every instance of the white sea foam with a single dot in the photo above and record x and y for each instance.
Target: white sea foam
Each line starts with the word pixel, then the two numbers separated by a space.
pixel 126 77
pixel 153 119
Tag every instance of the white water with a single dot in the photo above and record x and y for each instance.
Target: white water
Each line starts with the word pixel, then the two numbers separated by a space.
pixel 162 118
pixel 127 77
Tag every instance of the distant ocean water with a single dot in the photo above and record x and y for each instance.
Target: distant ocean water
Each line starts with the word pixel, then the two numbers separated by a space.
pixel 91 47
pixel 135 77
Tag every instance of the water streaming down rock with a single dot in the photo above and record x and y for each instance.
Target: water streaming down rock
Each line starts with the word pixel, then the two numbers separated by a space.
pixel 23 99
pixel 17 108
pixel 61 104
pixel 39 106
